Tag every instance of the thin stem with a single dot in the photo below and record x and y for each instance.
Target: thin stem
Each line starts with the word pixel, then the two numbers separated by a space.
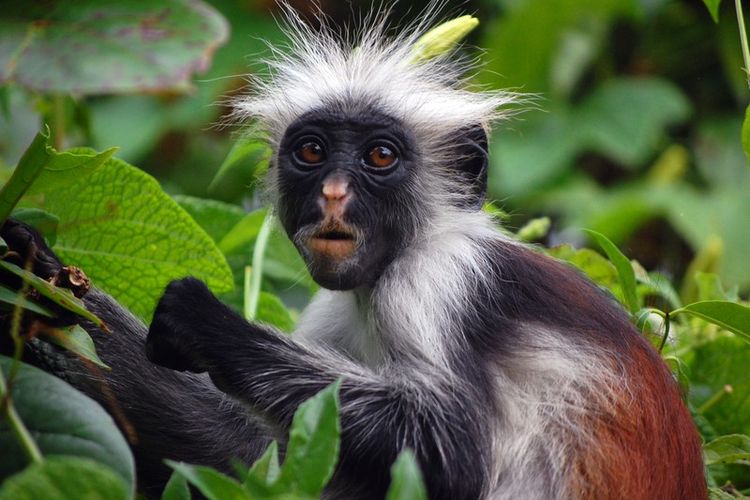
pixel 58 121
pixel 727 389
pixel 252 283
pixel 22 434
pixel 743 39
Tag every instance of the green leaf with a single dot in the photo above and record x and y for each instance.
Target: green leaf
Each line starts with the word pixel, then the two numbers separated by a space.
pixel 313 449
pixel 713 8
pixel 214 485
pixel 64 478
pixel 129 236
pixel 244 232
pixel 272 310
pixel 624 269
pixel 215 217
pixel 29 167
pixel 60 296
pixel 719 494
pixel 63 421
pixel 746 132
pixel 266 468
pixel 246 149
pixel 77 340
pixel 406 479
pixel 176 488
pixel 442 38
pixel 44 222
pixel 535 229
pixel 727 449
pixel 728 315
pixel 709 286
pixel 107 46
pixel 15 298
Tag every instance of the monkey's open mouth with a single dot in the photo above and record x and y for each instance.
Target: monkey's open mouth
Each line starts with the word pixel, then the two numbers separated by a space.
pixel 337 243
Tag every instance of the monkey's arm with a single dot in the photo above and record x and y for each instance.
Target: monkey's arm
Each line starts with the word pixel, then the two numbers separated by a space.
pixel 163 413
pixel 380 413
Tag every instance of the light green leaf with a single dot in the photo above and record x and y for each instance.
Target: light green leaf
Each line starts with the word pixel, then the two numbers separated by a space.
pixel 77 340
pixel 313 449
pixel 728 315
pixel 713 8
pixel 717 493
pixel 272 310
pixel 15 298
pixel 442 38
pixel 243 234
pixel 624 269
pixel 129 236
pixel 60 296
pixel 64 478
pixel 176 488
pixel 406 479
pixel 214 485
pixel 107 46
pixel 727 449
pixel 535 229
pixel 63 421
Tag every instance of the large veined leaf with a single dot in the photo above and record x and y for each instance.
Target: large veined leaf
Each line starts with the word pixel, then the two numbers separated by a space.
pixel 62 421
pixel 107 46
pixel 129 236
pixel 65 478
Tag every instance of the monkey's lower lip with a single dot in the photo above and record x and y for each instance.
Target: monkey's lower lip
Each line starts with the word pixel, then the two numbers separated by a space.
pixel 334 244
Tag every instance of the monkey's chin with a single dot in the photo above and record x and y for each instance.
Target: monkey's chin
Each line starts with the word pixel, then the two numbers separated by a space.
pixel 332 249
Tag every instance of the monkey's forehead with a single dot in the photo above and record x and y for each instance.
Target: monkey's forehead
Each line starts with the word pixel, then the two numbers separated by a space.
pixel 323 71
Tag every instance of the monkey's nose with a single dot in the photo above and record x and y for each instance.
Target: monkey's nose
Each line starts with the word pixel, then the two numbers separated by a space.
pixel 335 189
pixel 335 195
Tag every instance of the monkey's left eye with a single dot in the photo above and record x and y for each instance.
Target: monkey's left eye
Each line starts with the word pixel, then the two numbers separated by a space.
pixel 381 156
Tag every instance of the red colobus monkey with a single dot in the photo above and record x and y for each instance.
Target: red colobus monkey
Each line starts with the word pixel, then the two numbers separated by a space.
pixel 508 373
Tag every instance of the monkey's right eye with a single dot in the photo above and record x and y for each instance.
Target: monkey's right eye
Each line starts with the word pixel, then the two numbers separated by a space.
pixel 309 153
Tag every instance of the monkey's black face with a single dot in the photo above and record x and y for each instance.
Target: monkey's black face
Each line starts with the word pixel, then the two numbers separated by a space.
pixel 344 186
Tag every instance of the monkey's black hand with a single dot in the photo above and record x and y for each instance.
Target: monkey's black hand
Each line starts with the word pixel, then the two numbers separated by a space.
pixel 182 328
pixel 26 245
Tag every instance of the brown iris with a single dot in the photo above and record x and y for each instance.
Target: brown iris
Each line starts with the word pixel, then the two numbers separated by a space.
pixel 310 152
pixel 381 157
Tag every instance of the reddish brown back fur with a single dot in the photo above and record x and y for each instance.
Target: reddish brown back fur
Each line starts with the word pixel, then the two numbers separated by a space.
pixel 653 450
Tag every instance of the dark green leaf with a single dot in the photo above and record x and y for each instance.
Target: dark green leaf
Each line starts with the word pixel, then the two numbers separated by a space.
pixel 28 169
pixel 728 315
pixel 215 217
pixel 727 449
pixel 63 421
pixel 176 488
pixel 623 266
pixel 214 485
pixel 15 298
pixel 60 296
pixel 406 479
pixel 246 149
pixel 3 246
pixel 104 47
pixel 313 448
pixel 64 478
pixel 713 8
pixel 77 340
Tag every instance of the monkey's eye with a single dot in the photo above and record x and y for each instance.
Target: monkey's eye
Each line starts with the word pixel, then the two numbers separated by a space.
pixel 310 152
pixel 381 156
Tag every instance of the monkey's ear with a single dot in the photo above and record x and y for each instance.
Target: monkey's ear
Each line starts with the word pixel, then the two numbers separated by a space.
pixel 473 157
